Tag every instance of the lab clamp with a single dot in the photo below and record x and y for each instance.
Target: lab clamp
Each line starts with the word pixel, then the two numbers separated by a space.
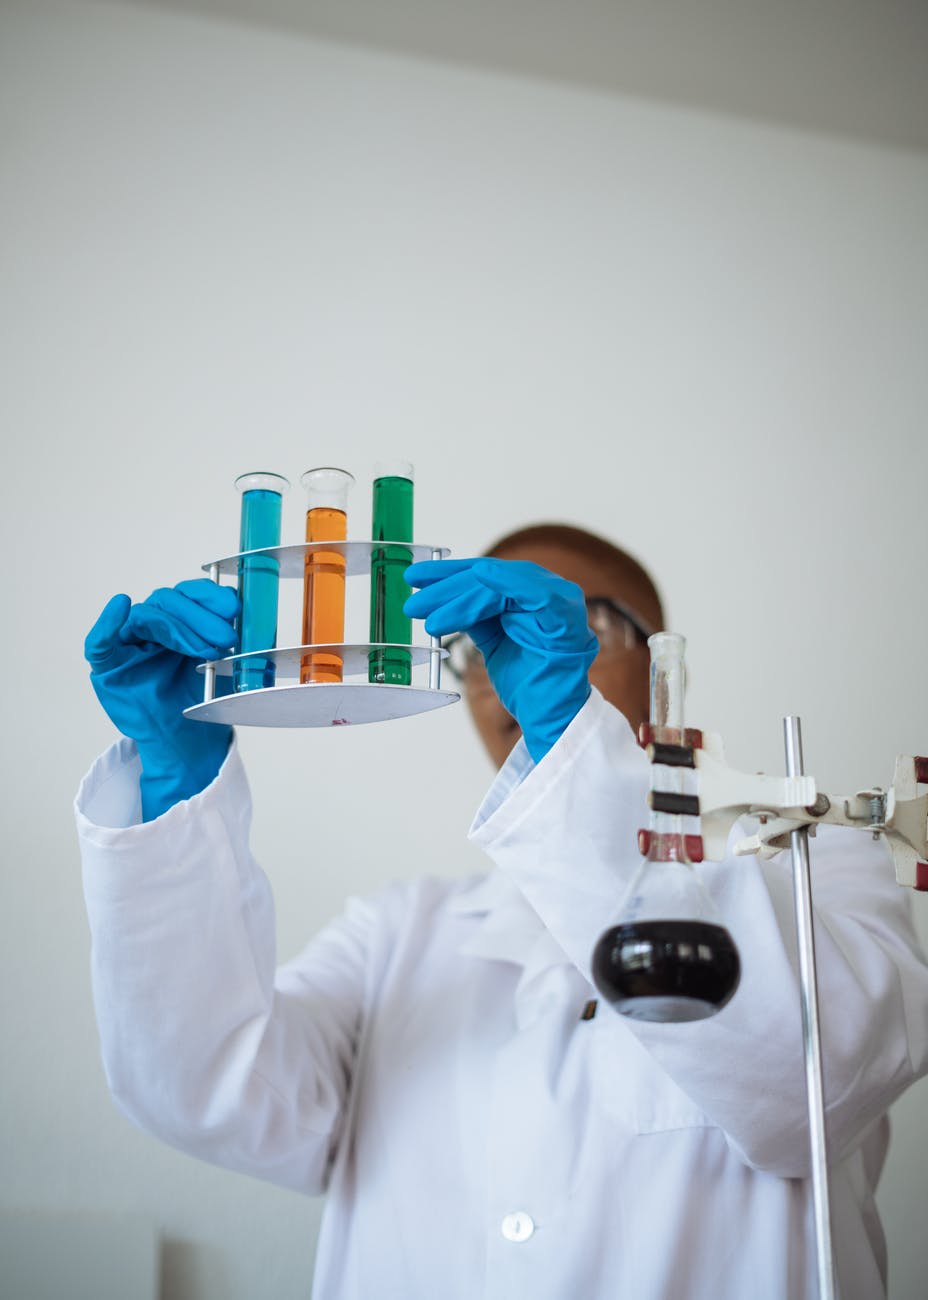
pixel 783 805
pixel 668 957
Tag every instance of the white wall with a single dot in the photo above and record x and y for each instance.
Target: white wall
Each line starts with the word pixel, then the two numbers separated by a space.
pixel 226 249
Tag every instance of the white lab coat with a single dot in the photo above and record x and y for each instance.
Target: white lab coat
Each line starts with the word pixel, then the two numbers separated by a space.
pixel 423 1060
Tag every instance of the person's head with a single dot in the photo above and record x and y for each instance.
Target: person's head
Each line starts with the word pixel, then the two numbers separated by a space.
pixel 623 607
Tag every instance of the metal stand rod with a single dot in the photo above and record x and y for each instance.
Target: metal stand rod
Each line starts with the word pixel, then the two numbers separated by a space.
pixel 209 674
pixel 435 656
pixel 812 1043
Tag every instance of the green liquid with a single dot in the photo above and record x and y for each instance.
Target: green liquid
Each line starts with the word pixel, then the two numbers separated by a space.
pixel 389 592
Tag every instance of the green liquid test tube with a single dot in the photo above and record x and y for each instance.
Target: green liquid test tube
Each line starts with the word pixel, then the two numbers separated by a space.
pixel 393 523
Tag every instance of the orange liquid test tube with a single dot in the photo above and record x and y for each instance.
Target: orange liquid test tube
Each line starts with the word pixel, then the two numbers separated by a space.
pixel 324 573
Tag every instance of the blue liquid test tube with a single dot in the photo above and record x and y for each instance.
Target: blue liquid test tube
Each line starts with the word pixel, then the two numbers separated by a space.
pixel 258 578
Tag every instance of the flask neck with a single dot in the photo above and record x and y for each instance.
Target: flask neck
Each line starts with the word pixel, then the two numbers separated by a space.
pixel 670 846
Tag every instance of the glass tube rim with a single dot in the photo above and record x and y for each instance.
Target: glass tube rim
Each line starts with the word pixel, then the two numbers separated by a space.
pixel 394 468
pixel 348 479
pixel 262 481
pixel 667 643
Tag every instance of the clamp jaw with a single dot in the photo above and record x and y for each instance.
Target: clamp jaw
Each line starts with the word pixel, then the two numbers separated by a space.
pixel 786 804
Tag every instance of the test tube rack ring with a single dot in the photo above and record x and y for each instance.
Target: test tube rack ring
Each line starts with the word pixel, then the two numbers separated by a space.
pixel 321 704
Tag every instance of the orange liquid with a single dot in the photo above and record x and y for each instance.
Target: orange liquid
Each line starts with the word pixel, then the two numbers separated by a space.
pixel 324 595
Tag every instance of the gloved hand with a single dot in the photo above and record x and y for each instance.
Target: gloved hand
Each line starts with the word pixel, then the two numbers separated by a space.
pixel 529 625
pixel 143 668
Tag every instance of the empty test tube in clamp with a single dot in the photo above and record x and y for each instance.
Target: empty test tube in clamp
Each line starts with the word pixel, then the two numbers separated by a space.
pixel 668 689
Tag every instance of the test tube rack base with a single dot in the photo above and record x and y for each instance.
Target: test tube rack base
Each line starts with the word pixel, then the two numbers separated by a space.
pixel 322 704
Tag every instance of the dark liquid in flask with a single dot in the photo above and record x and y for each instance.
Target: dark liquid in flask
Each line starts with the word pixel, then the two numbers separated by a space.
pixel 667 970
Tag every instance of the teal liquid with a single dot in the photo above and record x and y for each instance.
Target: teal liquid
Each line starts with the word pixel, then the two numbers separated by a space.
pixel 258 584
pixel 389 591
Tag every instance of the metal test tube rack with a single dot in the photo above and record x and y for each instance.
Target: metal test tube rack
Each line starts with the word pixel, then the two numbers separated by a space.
pixel 321 704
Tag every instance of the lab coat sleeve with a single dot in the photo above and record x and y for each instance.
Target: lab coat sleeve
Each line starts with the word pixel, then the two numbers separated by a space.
pixel 204 1044
pixel 565 833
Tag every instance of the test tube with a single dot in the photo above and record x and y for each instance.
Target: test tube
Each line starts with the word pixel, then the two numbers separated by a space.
pixel 392 522
pixel 258 578
pixel 668 680
pixel 324 580
pixel 668 693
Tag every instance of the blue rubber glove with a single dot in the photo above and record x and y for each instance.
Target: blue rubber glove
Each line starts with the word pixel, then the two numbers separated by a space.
pixel 143 668
pixel 529 625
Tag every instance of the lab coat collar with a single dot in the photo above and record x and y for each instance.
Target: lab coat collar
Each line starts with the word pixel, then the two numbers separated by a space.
pixel 506 928
pixel 483 893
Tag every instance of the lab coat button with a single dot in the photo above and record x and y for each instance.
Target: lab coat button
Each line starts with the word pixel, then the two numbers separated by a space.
pixel 518 1226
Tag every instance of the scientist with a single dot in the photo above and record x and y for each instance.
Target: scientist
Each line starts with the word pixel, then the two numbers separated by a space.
pixel 432 1059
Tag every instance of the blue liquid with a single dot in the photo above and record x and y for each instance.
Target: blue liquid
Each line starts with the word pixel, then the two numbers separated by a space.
pixel 258 583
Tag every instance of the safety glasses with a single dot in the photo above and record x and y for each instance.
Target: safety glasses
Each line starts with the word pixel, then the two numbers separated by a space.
pixel 618 630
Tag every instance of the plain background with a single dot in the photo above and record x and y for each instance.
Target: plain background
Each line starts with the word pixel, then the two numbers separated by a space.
pixel 227 249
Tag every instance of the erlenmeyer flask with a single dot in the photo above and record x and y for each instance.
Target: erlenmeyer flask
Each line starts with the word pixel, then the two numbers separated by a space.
pixel 668 957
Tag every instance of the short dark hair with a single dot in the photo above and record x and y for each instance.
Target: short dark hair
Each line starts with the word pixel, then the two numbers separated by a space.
pixel 580 542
